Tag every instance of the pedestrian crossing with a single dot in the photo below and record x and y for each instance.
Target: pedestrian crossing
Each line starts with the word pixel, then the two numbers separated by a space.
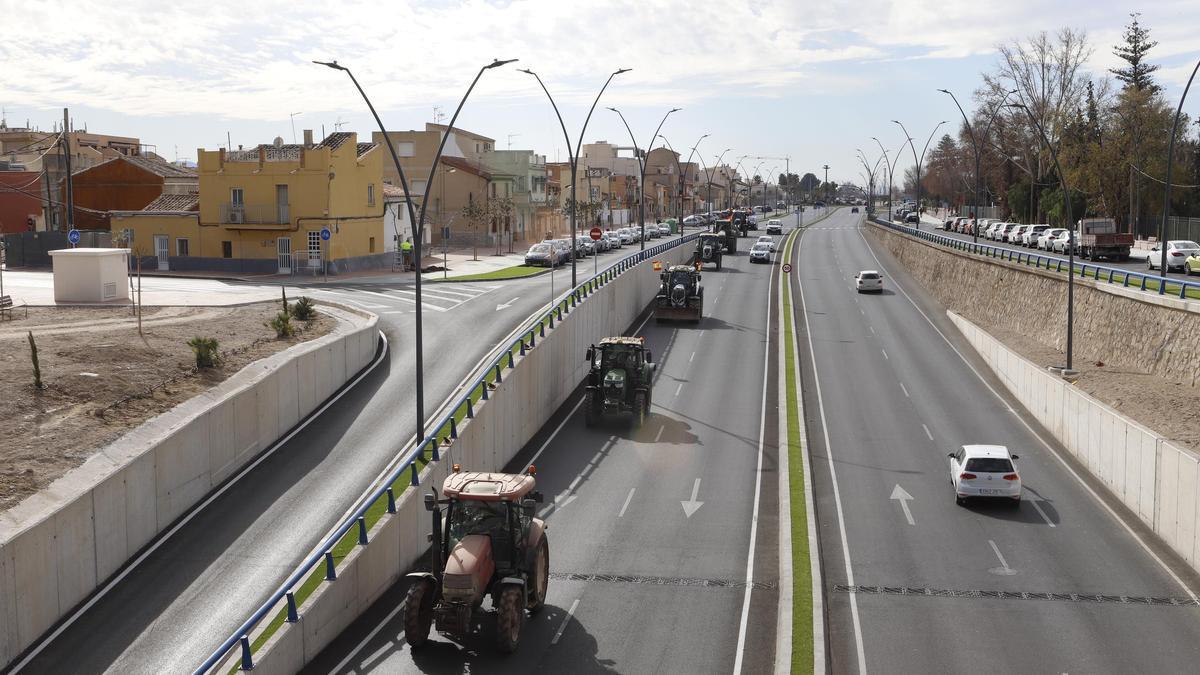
pixel 403 299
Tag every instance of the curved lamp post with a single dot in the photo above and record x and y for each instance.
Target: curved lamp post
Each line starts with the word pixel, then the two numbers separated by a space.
pixel 418 223
pixel 919 160
pixel 708 175
pixel 975 145
pixel 1062 180
pixel 642 166
pixel 1162 232
pixel 679 167
pixel 574 156
pixel 891 164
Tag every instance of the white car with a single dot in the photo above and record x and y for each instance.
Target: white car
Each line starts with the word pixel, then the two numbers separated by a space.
pixel 625 235
pixel 1030 236
pixel 1178 252
pixel 1046 241
pixel 868 281
pixel 1013 236
pixel 664 230
pixel 774 227
pixel 760 252
pixel 752 221
pixel 984 471
pixel 990 232
pixel 613 239
pixel 1060 244
pixel 769 241
pixel 693 221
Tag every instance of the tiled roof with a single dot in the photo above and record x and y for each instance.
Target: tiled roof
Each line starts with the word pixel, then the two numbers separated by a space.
pixel 335 140
pixel 186 202
pixel 364 148
pixel 157 167
pixel 463 165
pixel 393 191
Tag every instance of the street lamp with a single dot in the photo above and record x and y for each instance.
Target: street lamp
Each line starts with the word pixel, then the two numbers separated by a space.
pixel 708 174
pixel 891 163
pixel 680 168
pixel 1062 180
pixel 642 166
pixel 417 224
pixel 1162 233
pixel 975 145
pixel 574 156
pixel 919 160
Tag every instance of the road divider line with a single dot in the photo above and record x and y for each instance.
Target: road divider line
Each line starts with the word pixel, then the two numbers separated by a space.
pixel 628 498
pixel 1037 507
pixel 996 550
pixel 885 354
pixel 691 357
pixel 927 432
pixel 566 620
pixel 659 434
pixel 679 389
pixel 370 636
pixel 902 387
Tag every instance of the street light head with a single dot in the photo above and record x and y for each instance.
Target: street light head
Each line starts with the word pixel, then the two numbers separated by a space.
pixel 674 110
pixel 330 64
pixel 526 71
pixel 614 110
pixel 622 70
pixel 496 63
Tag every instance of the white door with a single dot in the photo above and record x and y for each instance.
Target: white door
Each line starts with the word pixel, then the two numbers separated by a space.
pixel 283 251
pixel 161 252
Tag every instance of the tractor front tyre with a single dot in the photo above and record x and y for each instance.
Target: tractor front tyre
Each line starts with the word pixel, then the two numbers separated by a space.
pixel 540 578
pixel 639 409
pixel 590 414
pixel 418 612
pixel 718 263
pixel 510 618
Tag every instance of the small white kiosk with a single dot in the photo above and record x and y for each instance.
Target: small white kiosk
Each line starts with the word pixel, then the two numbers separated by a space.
pixel 91 274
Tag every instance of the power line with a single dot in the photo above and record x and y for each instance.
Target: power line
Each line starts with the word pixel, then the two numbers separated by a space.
pixel 1159 180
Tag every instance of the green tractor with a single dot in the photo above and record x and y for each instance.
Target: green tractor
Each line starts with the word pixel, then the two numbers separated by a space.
pixel 708 249
pixel 620 381
pixel 729 233
pixel 680 295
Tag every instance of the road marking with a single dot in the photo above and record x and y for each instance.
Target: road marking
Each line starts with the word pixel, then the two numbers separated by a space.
pixel 398 311
pixel 565 621
pixel 1003 563
pixel 872 329
pixel 902 496
pixel 555 432
pixel 628 499
pixel 679 389
pixel 370 636
pixel 691 506
pixel 659 434
pixel 1042 513
pixel 507 304
pixel 885 354
pixel 861 311
pixel 927 432
pixel 1136 537
pixel 902 387
pixel 837 493
pixel 691 357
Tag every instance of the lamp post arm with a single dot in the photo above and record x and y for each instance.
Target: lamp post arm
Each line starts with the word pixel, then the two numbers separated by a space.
pixel 1162 233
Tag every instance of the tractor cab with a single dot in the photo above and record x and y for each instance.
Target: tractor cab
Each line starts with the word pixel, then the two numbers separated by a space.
pixel 620 379
pixel 709 247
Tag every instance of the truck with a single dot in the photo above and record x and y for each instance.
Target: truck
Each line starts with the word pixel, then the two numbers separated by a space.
pixel 1098 238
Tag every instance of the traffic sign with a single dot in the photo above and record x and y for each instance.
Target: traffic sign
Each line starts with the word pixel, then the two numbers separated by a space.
pixel 787 268
pixel 73 237
pixel 325 234
pixel 596 234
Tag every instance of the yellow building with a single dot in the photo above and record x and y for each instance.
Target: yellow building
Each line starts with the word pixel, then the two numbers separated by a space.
pixel 263 210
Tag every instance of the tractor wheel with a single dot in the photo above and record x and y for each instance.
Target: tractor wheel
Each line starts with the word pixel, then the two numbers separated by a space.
pixel 718 263
pixel 539 577
pixel 510 618
pixel 639 409
pixel 418 612
pixel 589 413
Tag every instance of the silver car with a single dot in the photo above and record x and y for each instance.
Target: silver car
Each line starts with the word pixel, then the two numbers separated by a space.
pixel 1178 251
pixel 664 230
pixel 1030 236
pixel 761 252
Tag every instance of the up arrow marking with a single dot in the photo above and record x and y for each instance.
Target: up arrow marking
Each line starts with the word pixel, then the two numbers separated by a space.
pixel 507 304
pixel 691 506
pixel 898 493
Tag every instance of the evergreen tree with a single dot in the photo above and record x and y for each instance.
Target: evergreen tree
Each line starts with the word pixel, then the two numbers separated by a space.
pixel 1133 51
pixel 1093 114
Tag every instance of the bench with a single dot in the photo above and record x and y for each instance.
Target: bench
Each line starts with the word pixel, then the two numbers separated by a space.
pixel 7 306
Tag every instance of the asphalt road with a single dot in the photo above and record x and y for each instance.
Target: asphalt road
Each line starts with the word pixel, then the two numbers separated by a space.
pixel 887 397
pixel 669 587
pixel 173 609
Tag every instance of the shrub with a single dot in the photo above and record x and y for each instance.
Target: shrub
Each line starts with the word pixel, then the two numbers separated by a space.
pixel 282 323
pixel 304 309
pixel 205 349
pixel 37 366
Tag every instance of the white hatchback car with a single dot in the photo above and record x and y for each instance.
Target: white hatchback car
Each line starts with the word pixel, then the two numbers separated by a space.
pixel 768 240
pixel 868 280
pixel 984 471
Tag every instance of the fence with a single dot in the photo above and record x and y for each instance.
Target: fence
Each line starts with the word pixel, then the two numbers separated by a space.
pixel 383 499
pixel 32 249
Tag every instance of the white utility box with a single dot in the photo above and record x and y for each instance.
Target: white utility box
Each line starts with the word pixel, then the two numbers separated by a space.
pixel 91 274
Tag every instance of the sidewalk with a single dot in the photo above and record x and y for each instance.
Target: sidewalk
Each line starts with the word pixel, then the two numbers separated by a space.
pixel 463 262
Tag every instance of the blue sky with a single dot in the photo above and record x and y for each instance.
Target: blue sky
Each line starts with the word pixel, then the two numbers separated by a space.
pixel 810 80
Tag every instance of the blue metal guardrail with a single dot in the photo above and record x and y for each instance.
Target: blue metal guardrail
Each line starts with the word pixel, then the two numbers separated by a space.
pixel 504 360
pixel 1112 275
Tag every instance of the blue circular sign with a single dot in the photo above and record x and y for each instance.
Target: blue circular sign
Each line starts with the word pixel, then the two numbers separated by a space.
pixel 325 234
pixel 73 236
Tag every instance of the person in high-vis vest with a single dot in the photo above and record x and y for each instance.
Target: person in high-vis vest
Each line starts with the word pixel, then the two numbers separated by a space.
pixel 406 249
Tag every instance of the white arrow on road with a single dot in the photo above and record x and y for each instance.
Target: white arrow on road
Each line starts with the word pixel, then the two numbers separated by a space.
pixel 507 304
pixel 691 506
pixel 899 494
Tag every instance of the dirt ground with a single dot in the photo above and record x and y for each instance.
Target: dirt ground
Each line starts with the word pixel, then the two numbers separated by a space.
pixel 102 379
pixel 1168 408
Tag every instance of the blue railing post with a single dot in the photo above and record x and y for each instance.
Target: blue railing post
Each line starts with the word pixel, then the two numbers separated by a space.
pixel 1182 291
pixel 433 446
pixel 247 658
pixel 470 409
pixel 511 364
pixel 1143 281
pixel 453 428
pixel 414 480
pixel 362 531
pixel 292 615
pixel 483 390
pixel 391 500
pixel 330 569
pixel 522 345
pixel 498 378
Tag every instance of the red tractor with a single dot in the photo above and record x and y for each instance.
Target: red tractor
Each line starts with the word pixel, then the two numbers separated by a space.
pixel 489 543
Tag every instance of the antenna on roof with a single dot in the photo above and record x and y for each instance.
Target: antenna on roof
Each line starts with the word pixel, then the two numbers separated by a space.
pixel 337 126
pixel 437 114
pixel 510 137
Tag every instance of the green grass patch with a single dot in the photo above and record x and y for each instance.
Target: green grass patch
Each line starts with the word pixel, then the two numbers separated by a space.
pixel 802 601
pixel 514 272
pixel 1085 271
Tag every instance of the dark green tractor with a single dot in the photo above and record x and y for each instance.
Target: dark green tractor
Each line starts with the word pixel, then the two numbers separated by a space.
pixel 709 248
pixel 680 295
pixel 620 380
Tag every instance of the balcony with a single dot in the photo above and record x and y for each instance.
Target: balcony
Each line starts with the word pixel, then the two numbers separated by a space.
pixel 256 216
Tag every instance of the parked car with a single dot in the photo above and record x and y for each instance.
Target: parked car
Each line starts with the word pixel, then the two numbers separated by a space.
pixel 768 240
pixel 664 229
pixel 912 217
pixel 949 224
pixel 774 226
pixel 1178 252
pixel 1046 241
pixel 625 235
pixel 585 246
pixel 1001 233
pixel 868 281
pixel 1030 236
pixel 853 209
pixel 564 250
pixel 1192 264
pixel 1013 236
pixel 693 221
pixel 984 471
pixel 613 239
pixel 1063 241
pixel 541 254
pixel 760 253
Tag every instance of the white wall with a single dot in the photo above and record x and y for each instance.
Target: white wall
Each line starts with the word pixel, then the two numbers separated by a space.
pixel 57 546
pixel 1152 477
pixel 528 396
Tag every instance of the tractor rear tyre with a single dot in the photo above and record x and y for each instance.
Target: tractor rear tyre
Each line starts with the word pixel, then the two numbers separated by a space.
pixel 639 409
pixel 510 618
pixel 539 578
pixel 418 612
pixel 589 413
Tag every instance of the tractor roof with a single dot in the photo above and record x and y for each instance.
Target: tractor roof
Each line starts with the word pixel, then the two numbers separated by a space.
pixel 628 341
pixel 711 235
pixel 487 487
pixel 681 268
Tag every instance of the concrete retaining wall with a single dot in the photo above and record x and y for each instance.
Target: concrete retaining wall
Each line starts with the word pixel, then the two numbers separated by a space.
pixel 58 545
pixel 1121 327
pixel 1155 479
pixel 528 396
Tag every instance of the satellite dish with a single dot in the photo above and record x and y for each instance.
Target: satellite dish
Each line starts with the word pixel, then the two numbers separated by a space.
pixel 278 141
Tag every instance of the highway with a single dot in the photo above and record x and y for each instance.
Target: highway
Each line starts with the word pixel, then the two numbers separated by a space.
pixel 910 577
pixel 650 530
pixel 194 588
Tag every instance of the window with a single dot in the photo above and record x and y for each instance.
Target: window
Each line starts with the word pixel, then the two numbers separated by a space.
pixel 181 247
pixel 405 149
pixel 371 194
pixel 371 245
pixel 989 465
pixel 418 187
pixel 237 197
pixel 227 249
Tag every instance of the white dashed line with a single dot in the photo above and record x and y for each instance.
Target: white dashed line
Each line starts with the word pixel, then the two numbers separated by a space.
pixel 1042 513
pixel 885 355
pixel 628 499
pixel 927 432
pixel 566 620
pixel 679 389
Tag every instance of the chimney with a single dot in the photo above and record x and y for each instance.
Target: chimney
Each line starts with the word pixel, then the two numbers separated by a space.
pixel 308 142
pixel 220 157
pixel 262 156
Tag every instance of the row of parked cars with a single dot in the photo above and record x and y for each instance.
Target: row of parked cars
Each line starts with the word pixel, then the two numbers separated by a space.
pixel 1042 237
pixel 555 252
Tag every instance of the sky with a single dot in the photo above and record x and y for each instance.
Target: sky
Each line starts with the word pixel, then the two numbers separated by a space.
pixel 808 81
